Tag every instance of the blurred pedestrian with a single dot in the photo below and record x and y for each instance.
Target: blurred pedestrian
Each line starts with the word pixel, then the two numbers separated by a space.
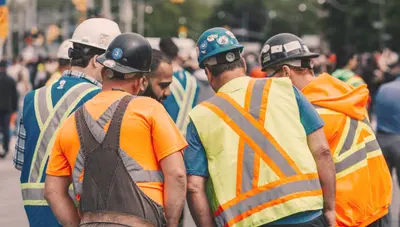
pixel 8 105
pixel 346 65
pixel 63 61
pixel 387 111
pixel 184 87
pixel 18 69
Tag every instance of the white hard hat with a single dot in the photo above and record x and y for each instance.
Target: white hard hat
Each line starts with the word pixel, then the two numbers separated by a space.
pixel 96 32
pixel 62 52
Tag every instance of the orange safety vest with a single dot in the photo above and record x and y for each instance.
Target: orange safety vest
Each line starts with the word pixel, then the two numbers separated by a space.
pixel 364 186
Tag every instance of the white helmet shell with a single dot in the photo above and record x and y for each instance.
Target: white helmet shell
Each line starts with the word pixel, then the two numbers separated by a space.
pixel 96 32
pixel 62 52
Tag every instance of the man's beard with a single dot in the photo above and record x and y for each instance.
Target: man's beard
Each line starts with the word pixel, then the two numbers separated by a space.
pixel 150 93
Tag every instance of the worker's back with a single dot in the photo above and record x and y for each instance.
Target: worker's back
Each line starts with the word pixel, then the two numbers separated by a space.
pixel 133 135
pixel 261 169
pixel 364 186
pixel 184 95
pixel 44 111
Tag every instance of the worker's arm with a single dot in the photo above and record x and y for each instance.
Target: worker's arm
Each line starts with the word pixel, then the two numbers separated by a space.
pixel 168 144
pixel 197 170
pixel 198 201
pixel 19 153
pixel 173 169
pixel 326 171
pixel 56 194
pixel 57 182
pixel 313 126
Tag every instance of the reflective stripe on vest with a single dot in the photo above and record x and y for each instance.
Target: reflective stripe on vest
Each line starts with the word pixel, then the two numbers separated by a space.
pixel 258 145
pixel 49 120
pixel 349 155
pixel 184 98
pixel 52 120
pixel 134 169
pixel 34 194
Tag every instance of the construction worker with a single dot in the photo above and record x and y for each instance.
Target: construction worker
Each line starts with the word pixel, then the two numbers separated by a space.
pixel 184 87
pixel 63 61
pixel 364 186
pixel 257 147
pixel 46 108
pixel 346 64
pixel 123 153
pixel 160 77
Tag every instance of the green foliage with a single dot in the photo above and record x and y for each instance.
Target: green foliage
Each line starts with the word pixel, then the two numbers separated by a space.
pixel 164 21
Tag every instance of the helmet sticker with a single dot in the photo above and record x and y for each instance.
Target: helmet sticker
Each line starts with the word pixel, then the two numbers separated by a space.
pixel 305 47
pixel 109 63
pixel 230 34
pixel 204 45
pixel 265 49
pixel 291 46
pixel 104 40
pixel 203 51
pixel 230 57
pixel 117 53
pixel 276 49
pixel 223 40
pixel 267 58
pixel 212 37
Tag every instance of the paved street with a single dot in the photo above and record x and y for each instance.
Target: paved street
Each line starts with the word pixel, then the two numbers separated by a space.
pixel 12 212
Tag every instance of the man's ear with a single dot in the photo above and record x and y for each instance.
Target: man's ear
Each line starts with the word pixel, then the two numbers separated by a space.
pixel 94 62
pixel 286 71
pixel 208 73
pixel 244 63
pixel 143 83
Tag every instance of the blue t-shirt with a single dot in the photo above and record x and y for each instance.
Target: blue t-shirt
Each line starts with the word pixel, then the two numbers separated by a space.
pixel 387 107
pixel 196 160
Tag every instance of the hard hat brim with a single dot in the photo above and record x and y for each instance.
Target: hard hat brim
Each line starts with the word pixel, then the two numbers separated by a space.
pixel 219 51
pixel 298 56
pixel 117 66
pixel 88 44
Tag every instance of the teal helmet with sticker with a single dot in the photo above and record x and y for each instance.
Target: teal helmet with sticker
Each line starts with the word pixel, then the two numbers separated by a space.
pixel 216 41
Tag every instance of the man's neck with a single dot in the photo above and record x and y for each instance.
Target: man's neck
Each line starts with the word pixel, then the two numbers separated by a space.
pixel 118 85
pixel 348 67
pixel 227 76
pixel 82 70
pixel 176 66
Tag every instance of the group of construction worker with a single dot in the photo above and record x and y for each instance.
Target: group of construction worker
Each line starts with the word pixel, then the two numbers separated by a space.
pixel 104 144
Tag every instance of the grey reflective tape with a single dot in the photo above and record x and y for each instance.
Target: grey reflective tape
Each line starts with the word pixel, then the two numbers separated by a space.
pixel 77 172
pixel 107 115
pixel 256 98
pixel 248 168
pixel 42 103
pixel 348 143
pixel 353 159
pixel 254 134
pixel 53 125
pixel 38 194
pixel 190 92
pixel 32 193
pixel 372 146
pixel 266 196
pixel 176 86
pixel 317 107
pixel 94 127
pixel 137 173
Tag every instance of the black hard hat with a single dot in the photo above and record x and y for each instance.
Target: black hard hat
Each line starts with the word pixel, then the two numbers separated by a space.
pixel 284 47
pixel 128 53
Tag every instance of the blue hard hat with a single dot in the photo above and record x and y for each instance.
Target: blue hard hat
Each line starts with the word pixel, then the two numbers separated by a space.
pixel 215 41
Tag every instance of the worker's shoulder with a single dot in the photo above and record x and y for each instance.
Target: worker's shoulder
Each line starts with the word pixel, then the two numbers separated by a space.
pixel 145 103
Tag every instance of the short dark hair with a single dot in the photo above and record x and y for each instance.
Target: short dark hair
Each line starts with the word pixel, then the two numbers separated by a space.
pixel 64 62
pixel 169 48
pixel 81 54
pixel 344 58
pixel 217 70
pixel 158 57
